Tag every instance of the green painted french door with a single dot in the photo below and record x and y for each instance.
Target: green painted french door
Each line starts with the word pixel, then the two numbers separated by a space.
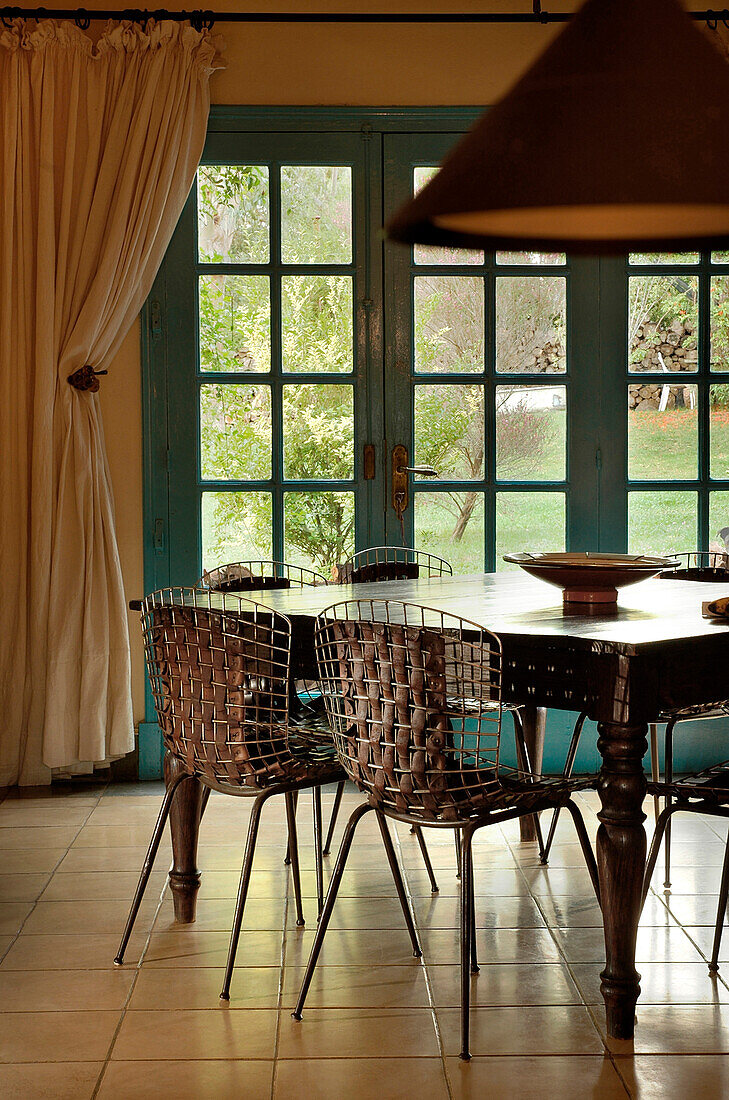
pixel 481 387
pixel 290 350
pixel 273 314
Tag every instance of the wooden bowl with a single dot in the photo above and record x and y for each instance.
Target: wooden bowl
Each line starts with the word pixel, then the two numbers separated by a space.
pixel 591 578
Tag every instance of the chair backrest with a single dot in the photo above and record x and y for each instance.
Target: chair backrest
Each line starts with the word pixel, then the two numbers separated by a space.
pixel 218 665
pixel 700 565
pixel 413 697
pixel 256 575
pixel 389 563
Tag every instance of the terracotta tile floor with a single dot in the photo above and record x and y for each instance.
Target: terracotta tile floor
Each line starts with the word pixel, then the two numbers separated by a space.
pixel 378 1023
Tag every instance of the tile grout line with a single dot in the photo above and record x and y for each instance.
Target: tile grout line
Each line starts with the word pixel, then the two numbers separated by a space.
pixel 123 1011
pixel 58 864
pixel 424 968
pixel 661 897
pixel 279 998
pixel 568 966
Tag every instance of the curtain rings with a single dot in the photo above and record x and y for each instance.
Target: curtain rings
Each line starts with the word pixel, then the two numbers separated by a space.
pixel 714 18
pixel 7 15
pixel 202 20
pixel 136 15
pixel 82 19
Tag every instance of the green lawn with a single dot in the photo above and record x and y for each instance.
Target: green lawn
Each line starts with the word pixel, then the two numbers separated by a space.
pixel 660 446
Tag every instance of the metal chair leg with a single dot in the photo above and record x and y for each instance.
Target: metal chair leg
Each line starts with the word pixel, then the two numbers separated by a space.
pixel 331 897
pixel 316 795
pixel 566 773
pixel 287 857
pixel 457 840
pixel 294 854
pixel 522 752
pixel 426 859
pixel 475 968
pixel 585 845
pixel 655 770
pixel 149 863
pixel 245 878
pixel 661 825
pixel 399 884
pixel 720 912
pixel 668 768
pixel 333 818
pixel 466 935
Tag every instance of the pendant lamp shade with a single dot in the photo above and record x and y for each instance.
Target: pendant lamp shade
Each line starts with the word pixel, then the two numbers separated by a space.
pixel 617 138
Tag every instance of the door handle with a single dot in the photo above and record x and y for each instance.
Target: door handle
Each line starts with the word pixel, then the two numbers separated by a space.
pixel 399 479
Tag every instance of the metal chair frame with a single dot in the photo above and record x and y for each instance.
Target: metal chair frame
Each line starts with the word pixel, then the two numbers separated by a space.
pixel 413 696
pixel 698 565
pixel 257 574
pixel 219 668
pixel 382 563
pixel 254 575
pixel 379 563
pixel 702 794
pixel 260 574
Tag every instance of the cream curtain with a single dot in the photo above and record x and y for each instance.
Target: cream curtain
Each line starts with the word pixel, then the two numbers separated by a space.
pixel 99 146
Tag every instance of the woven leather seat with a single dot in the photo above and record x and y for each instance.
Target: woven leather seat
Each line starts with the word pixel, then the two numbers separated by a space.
pixel 255 575
pixel 413 697
pixel 391 563
pixel 710 785
pixel 385 563
pixel 704 792
pixel 697 566
pixel 219 668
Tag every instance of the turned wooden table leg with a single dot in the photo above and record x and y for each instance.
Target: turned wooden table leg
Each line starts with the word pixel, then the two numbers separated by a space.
pixel 621 849
pixel 184 826
pixel 534 720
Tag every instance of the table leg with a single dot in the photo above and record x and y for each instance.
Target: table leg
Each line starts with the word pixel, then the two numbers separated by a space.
pixel 621 845
pixel 534 720
pixel 184 826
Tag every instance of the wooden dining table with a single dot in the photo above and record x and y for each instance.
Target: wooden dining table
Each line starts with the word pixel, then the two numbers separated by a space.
pixel 624 665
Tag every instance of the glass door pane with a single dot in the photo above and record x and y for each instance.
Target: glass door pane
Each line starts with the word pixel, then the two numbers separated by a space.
pixel 276 383
pixel 471 339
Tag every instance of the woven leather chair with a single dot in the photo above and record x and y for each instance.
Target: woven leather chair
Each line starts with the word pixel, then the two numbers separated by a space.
pixel 706 792
pixel 391 563
pixel 305 707
pixel 388 563
pixel 384 563
pixel 254 575
pixel 218 665
pixel 695 566
pixel 414 702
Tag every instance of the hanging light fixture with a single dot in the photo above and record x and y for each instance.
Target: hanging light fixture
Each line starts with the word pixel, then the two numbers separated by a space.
pixel 616 138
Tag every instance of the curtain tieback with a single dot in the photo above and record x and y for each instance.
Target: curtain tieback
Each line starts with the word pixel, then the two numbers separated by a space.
pixel 86 378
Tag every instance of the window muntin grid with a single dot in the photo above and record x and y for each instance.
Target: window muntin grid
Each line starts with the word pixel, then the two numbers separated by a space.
pixel 677 376
pixel 276 363
pixel 489 394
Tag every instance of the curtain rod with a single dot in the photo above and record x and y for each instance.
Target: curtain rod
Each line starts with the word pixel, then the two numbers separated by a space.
pixel 206 19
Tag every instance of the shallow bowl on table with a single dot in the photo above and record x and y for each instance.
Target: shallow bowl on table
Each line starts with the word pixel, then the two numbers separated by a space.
pixel 590 578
